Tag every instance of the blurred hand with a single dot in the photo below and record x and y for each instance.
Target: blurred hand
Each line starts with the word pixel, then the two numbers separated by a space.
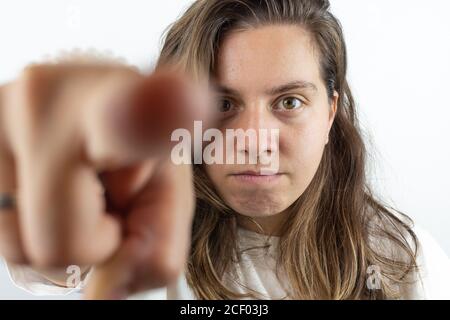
pixel 85 149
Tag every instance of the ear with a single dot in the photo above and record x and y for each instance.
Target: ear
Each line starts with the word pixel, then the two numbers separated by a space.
pixel 333 110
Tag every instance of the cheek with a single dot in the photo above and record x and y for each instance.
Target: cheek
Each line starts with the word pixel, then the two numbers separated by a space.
pixel 302 148
pixel 305 144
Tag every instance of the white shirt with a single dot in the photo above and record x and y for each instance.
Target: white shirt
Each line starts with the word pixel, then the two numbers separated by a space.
pixel 256 270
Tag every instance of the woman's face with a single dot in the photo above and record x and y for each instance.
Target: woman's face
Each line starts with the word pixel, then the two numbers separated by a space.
pixel 269 78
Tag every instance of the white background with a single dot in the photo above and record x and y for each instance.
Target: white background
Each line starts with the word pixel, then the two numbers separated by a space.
pixel 399 69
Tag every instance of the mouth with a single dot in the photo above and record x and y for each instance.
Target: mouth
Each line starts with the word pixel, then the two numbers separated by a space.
pixel 256 177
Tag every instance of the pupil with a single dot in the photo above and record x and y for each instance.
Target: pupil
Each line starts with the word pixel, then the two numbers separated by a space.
pixel 225 106
pixel 289 103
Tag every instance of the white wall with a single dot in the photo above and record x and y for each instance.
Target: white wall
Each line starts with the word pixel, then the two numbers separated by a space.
pixel 399 63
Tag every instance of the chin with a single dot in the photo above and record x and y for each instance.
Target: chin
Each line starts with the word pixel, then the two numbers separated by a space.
pixel 254 205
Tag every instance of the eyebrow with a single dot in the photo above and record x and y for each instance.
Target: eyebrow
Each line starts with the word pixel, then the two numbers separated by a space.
pixel 293 85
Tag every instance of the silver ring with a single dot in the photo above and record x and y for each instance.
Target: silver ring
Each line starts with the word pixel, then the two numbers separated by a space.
pixel 7 201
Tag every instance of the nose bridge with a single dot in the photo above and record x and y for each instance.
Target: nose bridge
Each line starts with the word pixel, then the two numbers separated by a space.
pixel 254 116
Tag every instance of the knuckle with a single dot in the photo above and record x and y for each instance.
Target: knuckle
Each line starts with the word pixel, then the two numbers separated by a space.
pixel 34 85
pixel 29 73
pixel 32 76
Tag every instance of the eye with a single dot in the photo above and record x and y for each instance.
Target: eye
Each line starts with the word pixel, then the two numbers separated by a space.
pixel 224 106
pixel 289 103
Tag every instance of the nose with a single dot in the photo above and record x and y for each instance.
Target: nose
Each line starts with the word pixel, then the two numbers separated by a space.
pixel 261 131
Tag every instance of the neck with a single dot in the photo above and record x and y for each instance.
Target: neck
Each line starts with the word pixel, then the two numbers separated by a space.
pixel 270 225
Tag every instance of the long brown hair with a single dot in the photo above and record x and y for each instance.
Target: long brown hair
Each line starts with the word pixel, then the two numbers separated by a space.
pixel 337 228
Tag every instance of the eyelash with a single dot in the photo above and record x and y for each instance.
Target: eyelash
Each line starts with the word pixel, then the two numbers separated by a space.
pixel 280 100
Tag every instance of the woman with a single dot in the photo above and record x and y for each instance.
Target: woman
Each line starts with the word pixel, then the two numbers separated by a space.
pixel 313 229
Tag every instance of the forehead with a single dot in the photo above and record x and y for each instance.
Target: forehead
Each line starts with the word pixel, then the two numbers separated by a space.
pixel 267 56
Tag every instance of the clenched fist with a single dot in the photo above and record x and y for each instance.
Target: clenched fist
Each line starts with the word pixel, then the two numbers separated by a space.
pixel 85 155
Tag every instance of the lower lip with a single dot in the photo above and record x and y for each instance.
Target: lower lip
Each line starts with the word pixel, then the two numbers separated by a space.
pixel 247 178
